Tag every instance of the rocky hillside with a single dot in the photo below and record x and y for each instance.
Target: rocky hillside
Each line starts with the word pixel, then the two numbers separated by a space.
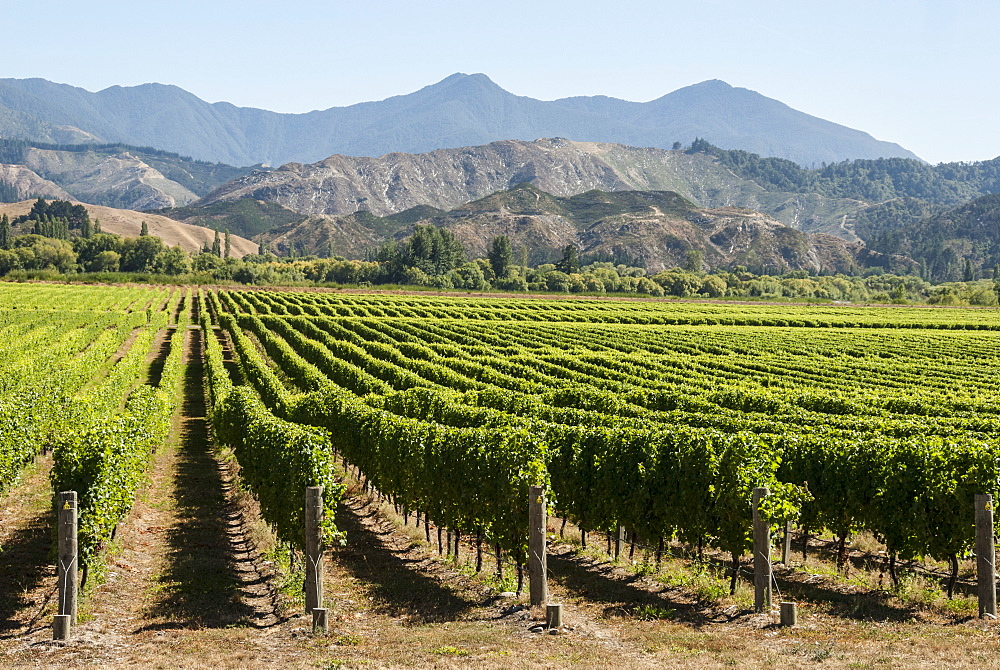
pixel 461 110
pixel 447 178
pixel 116 175
pixel 654 229
pixel 128 223
pixel 22 183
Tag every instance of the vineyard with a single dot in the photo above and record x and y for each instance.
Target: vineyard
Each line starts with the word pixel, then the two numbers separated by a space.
pixel 648 421
pixel 656 419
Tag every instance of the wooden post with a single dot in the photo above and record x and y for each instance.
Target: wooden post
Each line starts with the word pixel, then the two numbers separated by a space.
pixel 619 541
pixel 537 577
pixel 68 563
pixel 986 556
pixel 321 622
pixel 786 544
pixel 789 617
pixel 314 548
pixel 553 616
pixel 61 627
pixel 761 555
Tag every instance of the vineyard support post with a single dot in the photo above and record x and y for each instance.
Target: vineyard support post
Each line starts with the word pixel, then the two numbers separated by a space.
pixel 321 622
pixel 68 558
pixel 61 627
pixel 786 544
pixel 986 556
pixel 314 548
pixel 619 541
pixel 553 616
pixel 789 617
pixel 761 554
pixel 537 577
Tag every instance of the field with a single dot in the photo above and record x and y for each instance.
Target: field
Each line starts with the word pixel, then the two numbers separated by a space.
pixel 191 421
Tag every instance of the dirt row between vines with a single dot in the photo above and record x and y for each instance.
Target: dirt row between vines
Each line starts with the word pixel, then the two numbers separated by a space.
pixel 186 586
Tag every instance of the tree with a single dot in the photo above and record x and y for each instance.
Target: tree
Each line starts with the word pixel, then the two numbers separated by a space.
pixel 501 256
pixel 570 262
pixel 144 230
pixel 228 244
pixel 172 261
pixel 693 260
pixel 4 232
pixel 105 261
pixel 217 245
pixel 968 272
pixel 139 254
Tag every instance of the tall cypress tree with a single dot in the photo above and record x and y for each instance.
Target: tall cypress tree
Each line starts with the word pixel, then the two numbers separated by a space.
pixel 228 247
pixel 5 233
pixel 144 230
pixel 217 245
pixel 501 256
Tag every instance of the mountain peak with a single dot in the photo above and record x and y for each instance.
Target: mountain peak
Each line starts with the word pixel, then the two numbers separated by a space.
pixel 460 110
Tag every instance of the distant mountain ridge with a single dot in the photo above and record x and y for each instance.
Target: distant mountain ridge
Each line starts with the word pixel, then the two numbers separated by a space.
pixel 461 110
pixel 654 229
pixel 448 178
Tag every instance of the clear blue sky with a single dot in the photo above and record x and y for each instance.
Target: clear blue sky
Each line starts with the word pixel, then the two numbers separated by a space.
pixel 923 74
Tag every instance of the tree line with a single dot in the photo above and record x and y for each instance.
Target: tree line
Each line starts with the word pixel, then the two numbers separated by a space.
pixel 433 258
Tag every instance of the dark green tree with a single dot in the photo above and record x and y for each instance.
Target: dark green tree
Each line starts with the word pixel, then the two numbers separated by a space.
pixel 433 250
pixel 501 256
pixel 228 244
pixel 5 233
pixel 217 245
pixel 38 210
pixel 139 254
pixel 570 261
pixel 144 230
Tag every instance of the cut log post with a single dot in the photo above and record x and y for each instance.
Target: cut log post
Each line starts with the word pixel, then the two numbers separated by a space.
pixel 789 617
pixel 553 616
pixel 986 571
pixel 619 541
pixel 761 555
pixel 321 622
pixel 537 577
pixel 68 555
pixel 61 627
pixel 314 548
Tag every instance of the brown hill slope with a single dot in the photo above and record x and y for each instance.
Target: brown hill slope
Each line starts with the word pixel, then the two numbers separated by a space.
pixel 446 178
pixel 656 229
pixel 128 223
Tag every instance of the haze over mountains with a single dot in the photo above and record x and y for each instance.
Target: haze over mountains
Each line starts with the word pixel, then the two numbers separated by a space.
pixel 461 110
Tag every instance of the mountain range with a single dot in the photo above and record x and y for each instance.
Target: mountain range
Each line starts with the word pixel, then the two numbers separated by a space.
pixel 461 110
pixel 653 229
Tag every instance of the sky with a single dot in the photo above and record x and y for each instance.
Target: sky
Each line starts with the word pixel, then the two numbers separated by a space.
pixel 923 74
